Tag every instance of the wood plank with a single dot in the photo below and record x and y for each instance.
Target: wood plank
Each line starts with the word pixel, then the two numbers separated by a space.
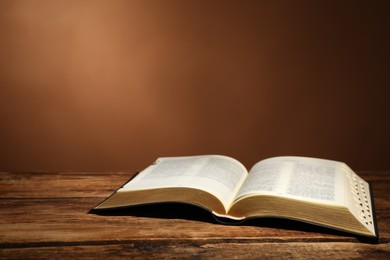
pixel 60 184
pixel 67 220
pixel 204 249
pixel 65 199
pixel 45 215
pixel 102 184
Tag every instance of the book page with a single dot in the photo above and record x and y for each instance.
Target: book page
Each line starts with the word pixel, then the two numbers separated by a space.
pixel 315 180
pixel 219 175
pixel 359 199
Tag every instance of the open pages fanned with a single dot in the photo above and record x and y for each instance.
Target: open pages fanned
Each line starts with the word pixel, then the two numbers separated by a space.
pixel 318 191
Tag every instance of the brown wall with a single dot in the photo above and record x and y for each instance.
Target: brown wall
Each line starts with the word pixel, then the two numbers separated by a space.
pixel 97 85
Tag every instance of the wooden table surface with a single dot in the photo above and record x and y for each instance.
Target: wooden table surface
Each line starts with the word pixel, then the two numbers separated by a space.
pixel 46 215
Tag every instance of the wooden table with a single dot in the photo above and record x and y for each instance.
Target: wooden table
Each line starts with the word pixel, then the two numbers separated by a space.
pixel 46 215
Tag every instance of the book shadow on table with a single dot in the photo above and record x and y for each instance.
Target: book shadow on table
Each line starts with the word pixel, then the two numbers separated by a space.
pixel 189 212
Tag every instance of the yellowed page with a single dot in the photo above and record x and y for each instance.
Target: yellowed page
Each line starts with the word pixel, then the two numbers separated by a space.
pixel 219 175
pixel 302 178
pixel 359 199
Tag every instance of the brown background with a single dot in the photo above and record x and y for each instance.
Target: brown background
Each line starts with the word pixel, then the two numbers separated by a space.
pixel 105 85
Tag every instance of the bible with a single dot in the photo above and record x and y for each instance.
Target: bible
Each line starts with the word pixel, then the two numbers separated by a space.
pixel 317 191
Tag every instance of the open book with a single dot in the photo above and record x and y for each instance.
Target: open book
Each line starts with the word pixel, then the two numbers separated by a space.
pixel 317 191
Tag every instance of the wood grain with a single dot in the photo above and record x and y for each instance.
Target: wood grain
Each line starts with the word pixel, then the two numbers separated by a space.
pixel 46 215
